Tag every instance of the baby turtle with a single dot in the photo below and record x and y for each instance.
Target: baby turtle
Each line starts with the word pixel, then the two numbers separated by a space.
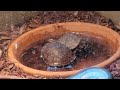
pixel 57 54
pixel 71 40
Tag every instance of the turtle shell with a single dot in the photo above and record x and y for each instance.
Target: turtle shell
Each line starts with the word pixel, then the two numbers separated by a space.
pixel 57 54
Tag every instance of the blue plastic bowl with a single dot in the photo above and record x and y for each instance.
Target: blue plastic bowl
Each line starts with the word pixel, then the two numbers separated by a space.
pixel 92 73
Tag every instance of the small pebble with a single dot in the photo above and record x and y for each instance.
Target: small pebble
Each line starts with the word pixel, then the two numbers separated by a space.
pixel 41 56
pixel 50 40
pixel 33 52
pixel 44 78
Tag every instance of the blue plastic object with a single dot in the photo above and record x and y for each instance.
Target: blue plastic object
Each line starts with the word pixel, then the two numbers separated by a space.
pixel 92 73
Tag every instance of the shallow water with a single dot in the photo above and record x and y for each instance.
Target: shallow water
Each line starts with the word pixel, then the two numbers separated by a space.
pixel 96 50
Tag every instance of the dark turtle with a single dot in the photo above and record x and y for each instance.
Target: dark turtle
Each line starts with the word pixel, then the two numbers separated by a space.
pixel 57 54
pixel 71 40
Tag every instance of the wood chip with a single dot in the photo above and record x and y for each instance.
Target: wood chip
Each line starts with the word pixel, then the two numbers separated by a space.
pixel 11 66
pixel 14 36
pixel 4 33
pixel 35 21
pixel 3 72
pixel 118 66
pixel 51 40
pixel 4 37
pixel 44 78
pixel 75 13
pixel 114 73
pixel 0 52
pixel 1 64
pixel 4 43
pixel 34 25
pixel 118 61
pixel 22 29
pixel 10 77
pixel 119 32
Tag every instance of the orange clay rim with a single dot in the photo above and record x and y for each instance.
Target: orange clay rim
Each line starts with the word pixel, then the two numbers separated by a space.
pixel 60 73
